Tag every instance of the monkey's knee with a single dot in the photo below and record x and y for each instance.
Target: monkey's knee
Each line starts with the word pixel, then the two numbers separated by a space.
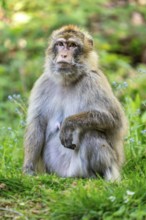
pixel 98 157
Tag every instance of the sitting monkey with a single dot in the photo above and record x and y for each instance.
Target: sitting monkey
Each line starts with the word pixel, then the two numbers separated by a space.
pixel 75 124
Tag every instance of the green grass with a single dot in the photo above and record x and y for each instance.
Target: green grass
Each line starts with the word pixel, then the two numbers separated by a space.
pixel 50 197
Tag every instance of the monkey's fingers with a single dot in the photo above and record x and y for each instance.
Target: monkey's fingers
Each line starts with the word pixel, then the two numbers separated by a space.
pixel 68 144
pixel 72 146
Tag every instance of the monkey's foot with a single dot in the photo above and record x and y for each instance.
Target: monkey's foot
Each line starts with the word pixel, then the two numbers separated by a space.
pixel 29 171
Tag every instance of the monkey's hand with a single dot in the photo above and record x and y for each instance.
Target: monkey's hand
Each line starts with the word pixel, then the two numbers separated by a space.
pixel 66 135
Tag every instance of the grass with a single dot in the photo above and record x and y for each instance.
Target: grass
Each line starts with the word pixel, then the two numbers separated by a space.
pixel 50 197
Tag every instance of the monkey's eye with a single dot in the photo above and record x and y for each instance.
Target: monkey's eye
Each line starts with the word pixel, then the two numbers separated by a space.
pixel 60 44
pixel 72 45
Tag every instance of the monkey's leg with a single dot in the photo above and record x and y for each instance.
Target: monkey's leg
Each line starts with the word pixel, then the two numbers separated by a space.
pixel 98 157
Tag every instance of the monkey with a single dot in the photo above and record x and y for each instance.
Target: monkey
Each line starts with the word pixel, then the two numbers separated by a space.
pixel 75 124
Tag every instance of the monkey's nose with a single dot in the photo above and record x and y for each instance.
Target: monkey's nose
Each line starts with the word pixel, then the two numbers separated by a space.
pixel 64 55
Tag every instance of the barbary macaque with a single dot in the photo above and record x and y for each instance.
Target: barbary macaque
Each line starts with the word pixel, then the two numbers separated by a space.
pixel 75 124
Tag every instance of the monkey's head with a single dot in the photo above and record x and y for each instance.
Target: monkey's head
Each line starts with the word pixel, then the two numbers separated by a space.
pixel 70 53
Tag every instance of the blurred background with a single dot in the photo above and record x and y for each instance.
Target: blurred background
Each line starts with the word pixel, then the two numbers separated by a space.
pixel 119 32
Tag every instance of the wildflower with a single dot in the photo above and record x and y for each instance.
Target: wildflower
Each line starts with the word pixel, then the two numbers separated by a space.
pixel 125 84
pixel 22 123
pixel 18 96
pixel 10 97
pixel 132 140
pixel 112 198
pixel 144 103
pixel 138 112
pixel 126 199
pixel 14 96
pixel 143 131
pixel 142 70
pixel 130 193
pixel 114 83
pixel 9 128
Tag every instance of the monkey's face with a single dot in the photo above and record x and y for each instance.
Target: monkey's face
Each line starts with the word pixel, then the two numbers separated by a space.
pixel 66 61
pixel 68 52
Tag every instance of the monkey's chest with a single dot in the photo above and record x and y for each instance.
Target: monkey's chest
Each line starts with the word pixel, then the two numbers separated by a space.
pixel 59 111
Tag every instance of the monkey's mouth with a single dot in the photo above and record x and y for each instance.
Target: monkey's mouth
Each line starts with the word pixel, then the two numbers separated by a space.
pixel 64 65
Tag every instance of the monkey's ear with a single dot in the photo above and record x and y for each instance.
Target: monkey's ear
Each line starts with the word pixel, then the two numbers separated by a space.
pixel 90 42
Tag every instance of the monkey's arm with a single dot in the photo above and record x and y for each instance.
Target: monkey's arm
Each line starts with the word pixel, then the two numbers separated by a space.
pixel 100 120
pixel 33 143
pixel 35 128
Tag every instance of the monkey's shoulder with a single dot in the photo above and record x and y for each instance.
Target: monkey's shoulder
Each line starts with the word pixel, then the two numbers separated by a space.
pixel 42 86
